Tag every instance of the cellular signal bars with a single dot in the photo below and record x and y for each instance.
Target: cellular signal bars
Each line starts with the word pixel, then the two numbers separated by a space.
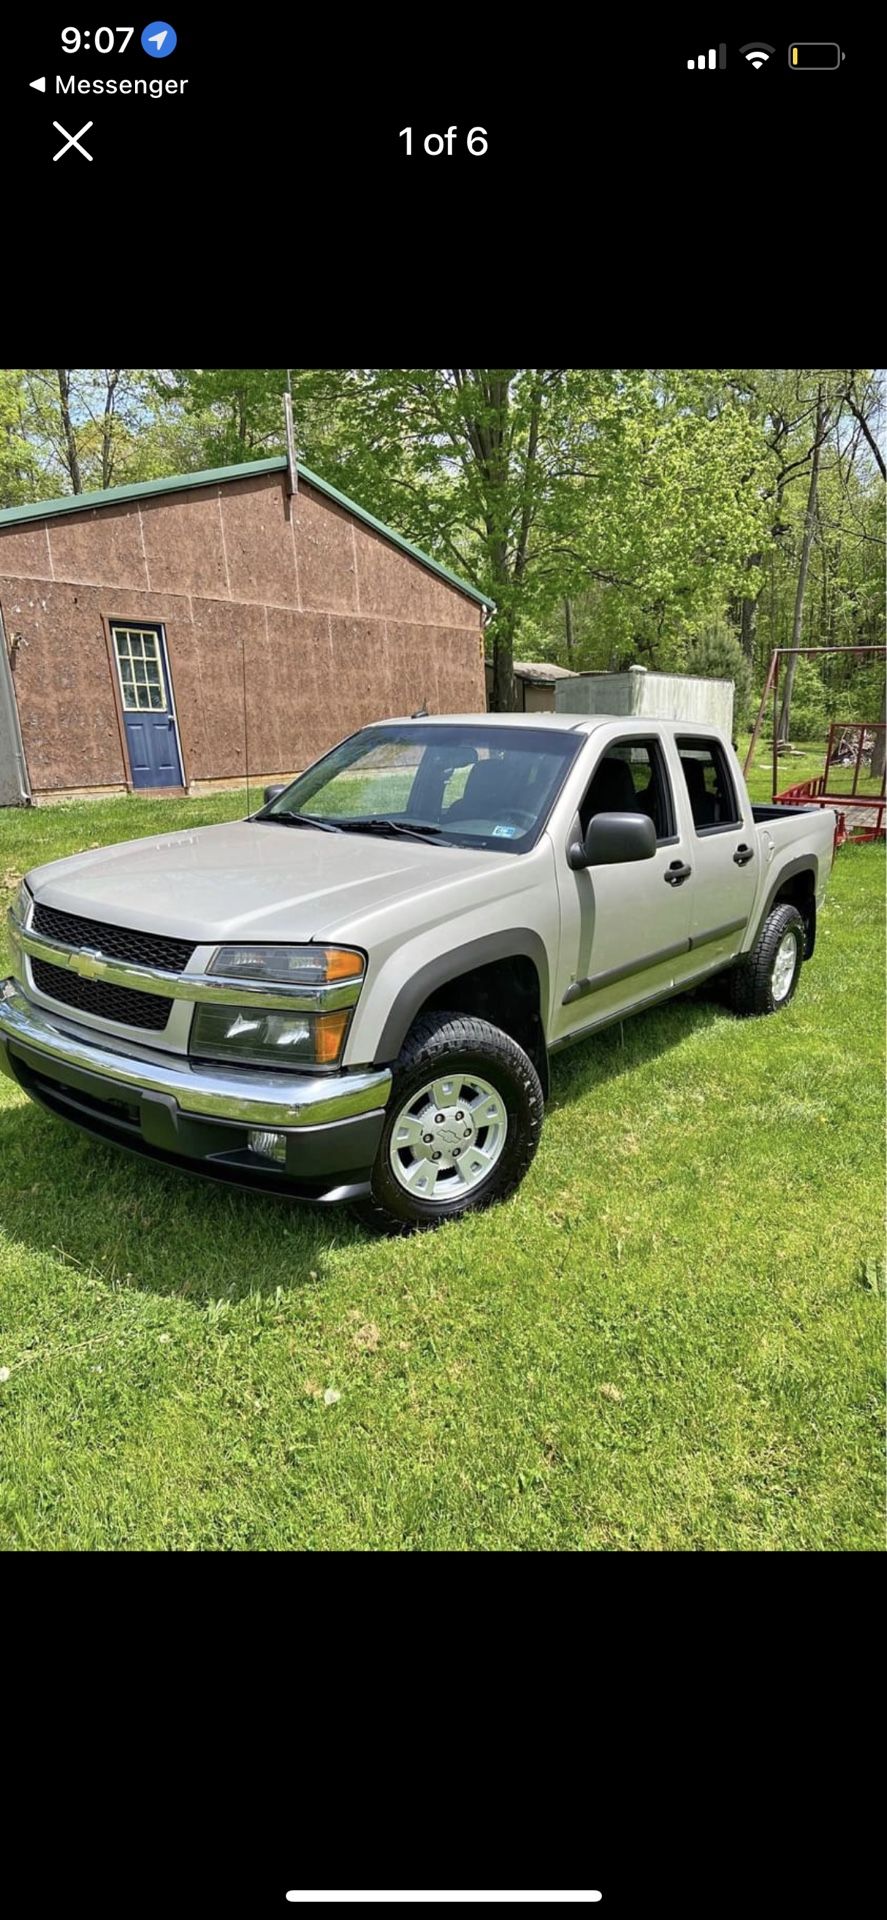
pixel 709 60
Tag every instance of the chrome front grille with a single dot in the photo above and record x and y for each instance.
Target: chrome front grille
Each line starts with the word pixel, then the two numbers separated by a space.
pixel 116 943
pixel 150 1011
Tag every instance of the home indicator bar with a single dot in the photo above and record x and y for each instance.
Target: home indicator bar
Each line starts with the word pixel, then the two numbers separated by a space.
pixel 815 56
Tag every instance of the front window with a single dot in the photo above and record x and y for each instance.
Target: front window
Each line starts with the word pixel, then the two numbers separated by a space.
pixel 462 785
pixel 631 778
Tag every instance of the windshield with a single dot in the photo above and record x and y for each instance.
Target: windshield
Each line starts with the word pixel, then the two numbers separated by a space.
pixel 461 785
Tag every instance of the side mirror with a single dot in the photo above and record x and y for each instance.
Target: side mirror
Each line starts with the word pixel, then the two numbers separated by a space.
pixel 612 838
pixel 271 793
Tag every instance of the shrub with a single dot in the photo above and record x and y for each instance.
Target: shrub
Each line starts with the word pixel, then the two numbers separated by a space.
pixel 716 654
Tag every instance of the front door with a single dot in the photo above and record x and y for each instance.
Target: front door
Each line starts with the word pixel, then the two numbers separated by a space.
pixel 152 737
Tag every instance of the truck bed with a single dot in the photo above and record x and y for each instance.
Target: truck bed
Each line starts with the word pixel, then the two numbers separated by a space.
pixel 760 814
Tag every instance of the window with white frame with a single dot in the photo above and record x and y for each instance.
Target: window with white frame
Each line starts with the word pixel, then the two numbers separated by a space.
pixel 140 666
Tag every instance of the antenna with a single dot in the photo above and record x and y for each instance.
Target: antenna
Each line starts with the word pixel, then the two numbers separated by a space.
pixel 292 469
pixel 245 719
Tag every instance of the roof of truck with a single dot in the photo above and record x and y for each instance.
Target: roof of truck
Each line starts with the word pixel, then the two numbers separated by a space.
pixel 565 722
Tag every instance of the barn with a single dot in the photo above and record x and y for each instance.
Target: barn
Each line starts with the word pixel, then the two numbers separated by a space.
pixel 182 633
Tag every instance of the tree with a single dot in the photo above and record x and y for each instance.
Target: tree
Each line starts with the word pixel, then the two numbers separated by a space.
pixel 96 427
pixel 879 750
pixel 21 475
pixel 68 439
pixel 544 483
pixel 237 410
pixel 822 418
pixel 842 398
pixel 716 654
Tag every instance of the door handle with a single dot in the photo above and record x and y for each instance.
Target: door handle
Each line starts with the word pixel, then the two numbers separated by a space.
pixel 743 855
pixel 677 873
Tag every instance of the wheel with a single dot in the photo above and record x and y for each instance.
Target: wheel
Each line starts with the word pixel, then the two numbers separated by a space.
pixel 766 978
pixel 463 1124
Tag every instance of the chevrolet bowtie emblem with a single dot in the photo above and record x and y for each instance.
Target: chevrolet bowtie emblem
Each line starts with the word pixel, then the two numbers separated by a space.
pixel 88 963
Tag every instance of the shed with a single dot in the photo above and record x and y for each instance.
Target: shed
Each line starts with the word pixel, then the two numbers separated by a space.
pixel 641 693
pixel 179 633
pixel 535 682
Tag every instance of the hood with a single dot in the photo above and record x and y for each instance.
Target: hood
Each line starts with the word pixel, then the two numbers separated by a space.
pixel 248 880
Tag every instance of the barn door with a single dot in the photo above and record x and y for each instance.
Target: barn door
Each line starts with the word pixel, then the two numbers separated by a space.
pixel 152 735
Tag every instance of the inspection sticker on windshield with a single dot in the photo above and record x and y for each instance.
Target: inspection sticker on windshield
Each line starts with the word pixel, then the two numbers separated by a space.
pixel 505 833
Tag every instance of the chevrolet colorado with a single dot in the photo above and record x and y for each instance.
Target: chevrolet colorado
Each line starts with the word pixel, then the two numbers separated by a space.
pixel 353 994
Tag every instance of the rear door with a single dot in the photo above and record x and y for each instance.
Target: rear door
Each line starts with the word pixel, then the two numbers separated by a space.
pixel 624 929
pixel 723 848
pixel 146 698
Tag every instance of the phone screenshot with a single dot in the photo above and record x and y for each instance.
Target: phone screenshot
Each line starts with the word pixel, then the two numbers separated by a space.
pixel 200 124
pixel 442 830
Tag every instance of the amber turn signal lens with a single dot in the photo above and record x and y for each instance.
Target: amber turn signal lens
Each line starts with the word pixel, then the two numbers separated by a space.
pixel 342 965
pixel 329 1033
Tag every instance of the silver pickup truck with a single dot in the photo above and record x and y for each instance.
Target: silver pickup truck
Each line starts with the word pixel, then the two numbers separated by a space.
pixel 353 994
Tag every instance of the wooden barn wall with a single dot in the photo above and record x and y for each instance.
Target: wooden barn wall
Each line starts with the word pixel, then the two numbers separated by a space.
pixel 333 626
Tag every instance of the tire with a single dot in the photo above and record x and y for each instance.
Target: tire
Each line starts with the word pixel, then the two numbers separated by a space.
pixel 500 1128
pixel 759 983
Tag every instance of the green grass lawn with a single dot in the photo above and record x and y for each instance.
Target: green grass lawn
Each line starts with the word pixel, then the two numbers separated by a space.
pixel 804 764
pixel 670 1338
pixel 791 769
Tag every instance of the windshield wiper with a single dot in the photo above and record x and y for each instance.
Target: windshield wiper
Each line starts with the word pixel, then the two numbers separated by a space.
pixel 300 820
pixel 384 825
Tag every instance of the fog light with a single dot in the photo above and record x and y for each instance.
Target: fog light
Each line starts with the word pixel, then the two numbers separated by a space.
pixel 271 1146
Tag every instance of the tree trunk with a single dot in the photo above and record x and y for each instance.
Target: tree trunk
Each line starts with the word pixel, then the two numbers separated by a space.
pixel 568 628
pixel 108 426
pixel 785 712
pixel 502 698
pixel 879 750
pixel 72 461
pixel 748 614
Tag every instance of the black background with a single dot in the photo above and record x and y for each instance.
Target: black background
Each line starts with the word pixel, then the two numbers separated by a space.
pixel 280 175
pixel 195 1735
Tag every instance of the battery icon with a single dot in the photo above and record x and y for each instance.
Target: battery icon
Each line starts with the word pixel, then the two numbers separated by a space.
pixel 815 55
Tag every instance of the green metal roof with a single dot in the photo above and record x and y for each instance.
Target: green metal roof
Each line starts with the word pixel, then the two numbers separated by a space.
pixel 216 476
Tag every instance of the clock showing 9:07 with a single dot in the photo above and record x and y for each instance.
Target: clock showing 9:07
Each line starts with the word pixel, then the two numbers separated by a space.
pixel 158 39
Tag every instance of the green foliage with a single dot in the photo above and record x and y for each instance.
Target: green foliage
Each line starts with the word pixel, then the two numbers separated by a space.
pixel 668 1340
pixel 810 704
pixel 659 501
pixel 540 483
pixel 716 654
pixel 21 475
pixel 236 412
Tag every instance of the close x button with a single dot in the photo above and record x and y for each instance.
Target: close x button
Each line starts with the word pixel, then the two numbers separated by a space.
pixel 72 140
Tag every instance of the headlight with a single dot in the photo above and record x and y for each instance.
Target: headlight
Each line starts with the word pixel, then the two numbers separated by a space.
pixel 252 1036
pixel 289 966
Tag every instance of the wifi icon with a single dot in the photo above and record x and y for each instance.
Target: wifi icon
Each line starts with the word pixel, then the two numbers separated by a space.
pixel 757 52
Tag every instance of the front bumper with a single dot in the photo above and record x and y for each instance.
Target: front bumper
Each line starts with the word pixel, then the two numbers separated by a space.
pixel 199 1117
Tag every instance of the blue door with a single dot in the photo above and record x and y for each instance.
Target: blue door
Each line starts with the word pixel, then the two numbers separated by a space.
pixel 152 735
